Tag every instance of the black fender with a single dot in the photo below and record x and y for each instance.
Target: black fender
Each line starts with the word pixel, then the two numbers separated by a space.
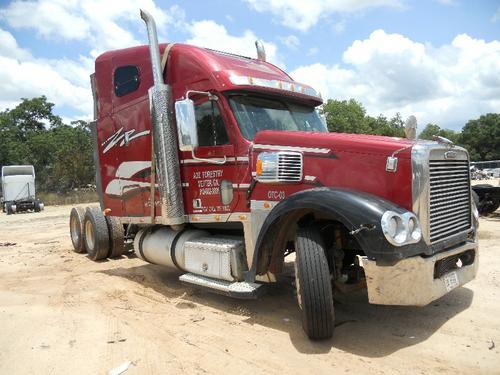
pixel 354 209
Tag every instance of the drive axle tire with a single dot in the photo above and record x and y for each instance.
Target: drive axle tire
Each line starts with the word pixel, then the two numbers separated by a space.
pixel 96 236
pixel 116 237
pixel 314 287
pixel 76 229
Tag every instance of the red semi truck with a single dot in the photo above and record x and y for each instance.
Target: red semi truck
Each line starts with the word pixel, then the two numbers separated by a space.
pixel 220 166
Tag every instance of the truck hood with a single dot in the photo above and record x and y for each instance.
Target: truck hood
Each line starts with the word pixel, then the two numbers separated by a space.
pixel 336 142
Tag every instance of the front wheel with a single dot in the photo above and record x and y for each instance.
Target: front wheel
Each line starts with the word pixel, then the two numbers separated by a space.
pixel 313 282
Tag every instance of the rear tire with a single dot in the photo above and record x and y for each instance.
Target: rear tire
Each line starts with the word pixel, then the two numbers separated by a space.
pixel 116 237
pixel 96 236
pixel 76 231
pixel 314 287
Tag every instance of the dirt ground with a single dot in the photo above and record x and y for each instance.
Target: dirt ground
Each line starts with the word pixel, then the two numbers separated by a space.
pixel 61 313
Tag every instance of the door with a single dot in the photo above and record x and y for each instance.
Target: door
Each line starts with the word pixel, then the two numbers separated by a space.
pixel 209 173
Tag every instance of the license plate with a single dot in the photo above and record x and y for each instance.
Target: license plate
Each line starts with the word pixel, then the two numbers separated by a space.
pixel 450 281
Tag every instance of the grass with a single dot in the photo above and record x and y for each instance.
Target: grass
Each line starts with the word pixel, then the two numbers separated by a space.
pixel 74 197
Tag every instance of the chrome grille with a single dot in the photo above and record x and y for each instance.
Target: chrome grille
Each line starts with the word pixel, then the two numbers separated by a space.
pixel 449 199
pixel 289 167
pixel 282 166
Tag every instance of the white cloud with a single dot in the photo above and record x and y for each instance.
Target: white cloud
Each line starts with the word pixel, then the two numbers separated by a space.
pixel 210 34
pixel 312 51
pixel 98 24
pixel 390 73
pixel 496 16
pixel 339 27
pixel 290 41
pixel 302 15
pixel 447 2
pixel 64 82
pixel 103 24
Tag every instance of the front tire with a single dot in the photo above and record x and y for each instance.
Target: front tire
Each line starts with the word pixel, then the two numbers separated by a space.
pixel 314 287
pixel 8 208
pixel 96 236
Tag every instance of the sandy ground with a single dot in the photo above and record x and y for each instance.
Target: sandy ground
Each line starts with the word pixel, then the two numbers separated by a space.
pixel 61 313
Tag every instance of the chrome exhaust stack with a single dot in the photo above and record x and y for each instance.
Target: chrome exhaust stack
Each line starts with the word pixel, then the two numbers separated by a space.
pixel 261 51
pixel 164 139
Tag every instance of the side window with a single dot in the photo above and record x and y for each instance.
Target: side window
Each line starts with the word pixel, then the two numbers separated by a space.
pixel 126 79
pixel 211 129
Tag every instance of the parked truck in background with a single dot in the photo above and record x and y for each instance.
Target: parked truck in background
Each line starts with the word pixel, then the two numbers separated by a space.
pixel 18 189
pixel 220 166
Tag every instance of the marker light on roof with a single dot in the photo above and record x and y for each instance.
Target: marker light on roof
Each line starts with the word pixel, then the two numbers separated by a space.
pixel 274 84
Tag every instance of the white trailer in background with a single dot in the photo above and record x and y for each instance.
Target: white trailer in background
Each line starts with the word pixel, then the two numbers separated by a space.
pixel 18 188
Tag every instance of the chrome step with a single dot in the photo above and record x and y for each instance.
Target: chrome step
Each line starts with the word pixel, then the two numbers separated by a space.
pixel 239 289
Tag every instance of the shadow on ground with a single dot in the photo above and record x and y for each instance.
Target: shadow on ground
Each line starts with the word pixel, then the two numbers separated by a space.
pixel 361 329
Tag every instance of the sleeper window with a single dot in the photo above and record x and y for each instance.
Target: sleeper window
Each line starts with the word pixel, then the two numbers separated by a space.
pixel 126 79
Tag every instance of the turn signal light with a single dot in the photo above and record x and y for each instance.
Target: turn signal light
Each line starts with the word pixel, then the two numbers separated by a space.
pixel 258 167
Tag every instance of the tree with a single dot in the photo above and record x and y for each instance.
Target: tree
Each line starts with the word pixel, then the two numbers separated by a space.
pixel 344 116
pixel 482 137
pixel 61 154
pixel 349 116
pixel 433 129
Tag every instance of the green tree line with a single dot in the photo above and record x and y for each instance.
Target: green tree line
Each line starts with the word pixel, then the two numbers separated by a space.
pixel 481 137
pixel 61 153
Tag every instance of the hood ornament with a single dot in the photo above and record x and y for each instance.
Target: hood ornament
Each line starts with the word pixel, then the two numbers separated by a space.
pixel 443 140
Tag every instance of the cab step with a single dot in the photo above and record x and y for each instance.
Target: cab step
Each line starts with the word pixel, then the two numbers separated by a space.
pixel 235 289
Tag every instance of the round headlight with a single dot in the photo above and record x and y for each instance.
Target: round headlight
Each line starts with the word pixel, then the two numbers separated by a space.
pixel 393 228
pixel 414 229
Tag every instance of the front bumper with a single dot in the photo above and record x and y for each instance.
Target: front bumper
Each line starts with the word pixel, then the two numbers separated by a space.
pixel 411 281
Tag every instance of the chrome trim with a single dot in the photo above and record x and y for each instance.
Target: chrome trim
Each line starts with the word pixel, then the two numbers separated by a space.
pixel 405 218
pixel 288 167
pixel 261 52
pixel 420 156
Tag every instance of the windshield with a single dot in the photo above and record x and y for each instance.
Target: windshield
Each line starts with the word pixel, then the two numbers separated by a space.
pixel 254 114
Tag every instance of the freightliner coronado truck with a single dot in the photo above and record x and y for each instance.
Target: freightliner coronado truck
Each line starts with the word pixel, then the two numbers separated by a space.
pixel 220 166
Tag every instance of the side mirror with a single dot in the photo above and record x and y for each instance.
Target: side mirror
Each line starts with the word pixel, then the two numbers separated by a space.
pixel 186 125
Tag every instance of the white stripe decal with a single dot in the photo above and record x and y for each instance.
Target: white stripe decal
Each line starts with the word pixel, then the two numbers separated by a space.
pixel 292 148
pixel 205 161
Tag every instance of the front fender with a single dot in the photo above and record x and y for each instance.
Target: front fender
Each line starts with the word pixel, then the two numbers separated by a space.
pixel 353 209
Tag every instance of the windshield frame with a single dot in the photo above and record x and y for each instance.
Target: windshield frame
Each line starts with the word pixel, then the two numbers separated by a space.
pixel 285 101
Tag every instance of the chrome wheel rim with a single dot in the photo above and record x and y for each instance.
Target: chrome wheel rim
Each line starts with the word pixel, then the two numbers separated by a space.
pixel 89 235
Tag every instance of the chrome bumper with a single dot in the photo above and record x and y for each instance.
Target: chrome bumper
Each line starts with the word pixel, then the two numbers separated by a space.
pixel 411 281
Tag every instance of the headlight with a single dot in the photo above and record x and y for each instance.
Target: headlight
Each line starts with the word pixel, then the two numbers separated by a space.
pixel 399 229
pixel 267 166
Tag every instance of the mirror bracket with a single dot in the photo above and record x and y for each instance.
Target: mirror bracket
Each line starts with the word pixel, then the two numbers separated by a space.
pixel 220 162
pixel 207 93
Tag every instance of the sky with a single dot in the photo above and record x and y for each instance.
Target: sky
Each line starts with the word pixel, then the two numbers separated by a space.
pixel 436 59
